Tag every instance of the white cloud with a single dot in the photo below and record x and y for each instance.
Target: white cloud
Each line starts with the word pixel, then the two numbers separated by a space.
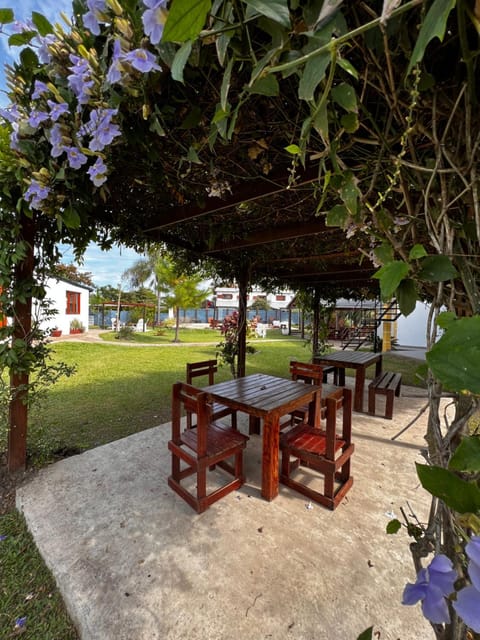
pixel 106 267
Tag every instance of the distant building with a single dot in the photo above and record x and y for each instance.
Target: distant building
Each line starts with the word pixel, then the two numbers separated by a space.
pixel 70 300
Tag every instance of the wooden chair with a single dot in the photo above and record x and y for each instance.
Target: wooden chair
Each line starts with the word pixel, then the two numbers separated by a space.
pixel 208 368
pixel 310 374
pixel 202 448
pixel 325 451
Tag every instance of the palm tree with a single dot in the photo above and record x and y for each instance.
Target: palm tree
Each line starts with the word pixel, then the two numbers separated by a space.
pixel 181 290
pixel 143 272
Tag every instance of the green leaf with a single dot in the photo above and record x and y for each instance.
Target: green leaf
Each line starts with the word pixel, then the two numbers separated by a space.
pixel 467 455
pixel 294 149
pixel 445 319
pixel 19 39
pixel 180 60
pixel 6 16
pixel 345 96
pixel 349 192
pixel 348 67
pixel 393 526
pixel 313 74
pixel 71 218
pixel 43 25
pixel 390 276
pixel 28 58
pixel 266 86
pixel 407 296
pixel 366 635
pixel 192 156
pixel 384 253
pixel 460 495
pixel 276 10
pixel 338 216
pixel 320 122
pixel 434 26
pixel 416 252
pixel 437 269
pixel 349 122
pixel 226 84
pixel 185 20
pixel 454 358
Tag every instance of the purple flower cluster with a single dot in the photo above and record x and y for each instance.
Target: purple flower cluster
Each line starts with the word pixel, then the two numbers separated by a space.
pixel 140 59
pixel 36 194
pixel 101 128
pixel 435 583
pixel 97 172
pixel 12 115
pixel 80 79
pixel 154 19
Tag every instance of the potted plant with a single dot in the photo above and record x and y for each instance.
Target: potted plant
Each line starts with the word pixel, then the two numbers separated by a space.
pixel 76 326
pixel 55 332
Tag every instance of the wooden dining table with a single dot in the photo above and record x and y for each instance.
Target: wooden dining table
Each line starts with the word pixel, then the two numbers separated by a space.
pixel 357 360
pixel 268 398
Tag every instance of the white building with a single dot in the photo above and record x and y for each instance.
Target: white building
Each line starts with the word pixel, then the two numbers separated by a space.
pixel 71 302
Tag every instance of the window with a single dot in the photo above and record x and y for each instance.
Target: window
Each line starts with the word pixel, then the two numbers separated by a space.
pixel 73 302
pixel 280 298
pixel 224 296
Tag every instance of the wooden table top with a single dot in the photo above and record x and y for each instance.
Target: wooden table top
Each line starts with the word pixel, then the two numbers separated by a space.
pixel 349 358
pixel 260 394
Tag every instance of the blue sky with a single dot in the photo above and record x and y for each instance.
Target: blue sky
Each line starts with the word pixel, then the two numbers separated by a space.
pixel 106 266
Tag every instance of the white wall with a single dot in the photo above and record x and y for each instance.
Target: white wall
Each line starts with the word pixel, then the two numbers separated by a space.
pixel 57 293
pixel 411 330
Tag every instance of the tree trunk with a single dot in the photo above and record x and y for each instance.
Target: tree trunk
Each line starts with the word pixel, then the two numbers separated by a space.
pixel 22 324
pixel 177 323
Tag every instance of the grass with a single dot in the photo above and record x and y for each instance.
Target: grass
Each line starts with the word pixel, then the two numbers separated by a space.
pixel 28 591
pixel 118 390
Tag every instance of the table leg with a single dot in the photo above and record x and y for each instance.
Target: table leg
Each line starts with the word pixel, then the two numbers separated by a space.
pixel 271 441
pixel 378 367
pixel 359 387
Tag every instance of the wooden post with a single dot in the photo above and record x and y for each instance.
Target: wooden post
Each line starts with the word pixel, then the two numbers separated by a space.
pixel 242 323
pixel 316 320
pixel 22 324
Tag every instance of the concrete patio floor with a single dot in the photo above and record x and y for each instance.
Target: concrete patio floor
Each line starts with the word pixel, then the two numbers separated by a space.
pixel 134 562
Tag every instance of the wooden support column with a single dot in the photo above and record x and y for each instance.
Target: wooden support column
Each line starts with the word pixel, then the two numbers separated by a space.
pixel 316 320
pixel 22 324
pixel 242 323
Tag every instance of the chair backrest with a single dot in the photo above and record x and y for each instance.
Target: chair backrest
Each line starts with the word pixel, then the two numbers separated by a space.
pixel 339 399
pixel 308 372
pixel 205 368
pixel 188 399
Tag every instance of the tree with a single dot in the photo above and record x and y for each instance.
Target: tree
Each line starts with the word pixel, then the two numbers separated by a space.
pixel 71 272
pixel 180 290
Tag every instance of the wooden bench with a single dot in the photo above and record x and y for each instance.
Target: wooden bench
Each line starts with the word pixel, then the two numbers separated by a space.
pixel 387 384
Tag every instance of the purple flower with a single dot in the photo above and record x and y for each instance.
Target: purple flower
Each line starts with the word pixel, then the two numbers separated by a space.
pixel 467 604
pixel 57 109
pixel 12 114
pixel 2 538
pixel 20 622
pixel 101 128
pixel 142 60
pixel 39 88
pixel 21 27
pixel 56 140
pixel 114 73
pixel 97 172
pixel 36 118
pixel 44 54
pixel 433 584
pixel 75 157
pixel 36 193
pixel 154 19
pixel 95 15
